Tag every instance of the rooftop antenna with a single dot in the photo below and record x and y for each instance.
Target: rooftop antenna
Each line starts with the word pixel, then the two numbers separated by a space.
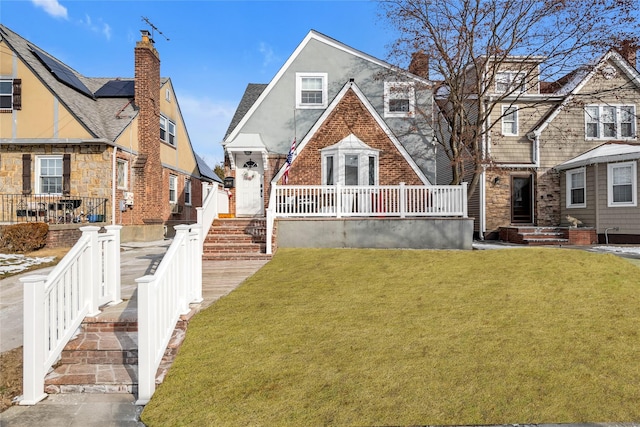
pixel 154 28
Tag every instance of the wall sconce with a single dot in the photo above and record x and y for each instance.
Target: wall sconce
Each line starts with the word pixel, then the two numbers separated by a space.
pixel 248 153
pixel 496 180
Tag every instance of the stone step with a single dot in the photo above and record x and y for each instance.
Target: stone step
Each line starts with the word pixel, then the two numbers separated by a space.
pixel 235 256
pixel 97 348
pixel 81 378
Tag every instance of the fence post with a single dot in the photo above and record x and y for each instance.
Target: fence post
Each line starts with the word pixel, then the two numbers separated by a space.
pixel 185 272
pixel 112 266
pixel 90 270
pixel 403 200
pixel 338 200
pixel 465 213
pixel 33 340
pixel 147 304
pixel 195 253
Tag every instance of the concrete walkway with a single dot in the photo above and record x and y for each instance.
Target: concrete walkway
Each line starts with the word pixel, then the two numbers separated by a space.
pixel 86 409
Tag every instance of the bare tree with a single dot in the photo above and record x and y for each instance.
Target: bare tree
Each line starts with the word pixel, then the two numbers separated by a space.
pixel 468 41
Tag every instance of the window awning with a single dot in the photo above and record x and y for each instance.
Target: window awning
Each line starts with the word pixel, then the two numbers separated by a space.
pixel 606 153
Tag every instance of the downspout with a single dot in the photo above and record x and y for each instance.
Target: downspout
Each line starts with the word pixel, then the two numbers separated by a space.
pixel 597 201
pixel 113 185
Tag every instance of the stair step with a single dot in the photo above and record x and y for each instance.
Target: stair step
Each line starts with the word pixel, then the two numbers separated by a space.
pixel 102 348
pixel 235 256
pixel 80 378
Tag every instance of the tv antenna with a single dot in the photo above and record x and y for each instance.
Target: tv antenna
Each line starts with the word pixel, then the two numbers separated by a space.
pixel 154 28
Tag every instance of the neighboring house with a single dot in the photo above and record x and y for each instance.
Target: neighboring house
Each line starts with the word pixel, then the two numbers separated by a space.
pixel 540 126
pixel 78 150
pixel 355 120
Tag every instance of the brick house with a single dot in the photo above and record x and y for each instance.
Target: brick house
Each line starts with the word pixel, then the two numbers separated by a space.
pixel 76 149
pixel 355 120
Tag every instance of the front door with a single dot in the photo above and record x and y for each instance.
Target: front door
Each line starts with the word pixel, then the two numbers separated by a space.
pixel 522 199
pixel 249 184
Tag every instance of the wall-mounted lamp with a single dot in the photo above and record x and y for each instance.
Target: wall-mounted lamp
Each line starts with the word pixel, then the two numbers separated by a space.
pixel 248 153
pixel 496 180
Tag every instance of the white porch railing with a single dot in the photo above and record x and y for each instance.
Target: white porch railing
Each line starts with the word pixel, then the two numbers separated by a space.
pixel 55 305
pixel 339 201
pixel 215 202
pixel 162 298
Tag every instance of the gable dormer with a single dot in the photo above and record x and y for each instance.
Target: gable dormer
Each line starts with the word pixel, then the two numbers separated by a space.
pixel 514 76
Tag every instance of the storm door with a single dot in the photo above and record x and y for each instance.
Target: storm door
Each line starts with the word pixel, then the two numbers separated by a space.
pixel 522 199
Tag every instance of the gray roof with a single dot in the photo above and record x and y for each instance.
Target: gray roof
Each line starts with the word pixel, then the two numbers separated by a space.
pixel 104 118
pixel 250 96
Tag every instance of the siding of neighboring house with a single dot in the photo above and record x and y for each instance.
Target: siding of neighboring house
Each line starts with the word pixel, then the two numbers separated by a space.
pixel 588 214
pixel 627 218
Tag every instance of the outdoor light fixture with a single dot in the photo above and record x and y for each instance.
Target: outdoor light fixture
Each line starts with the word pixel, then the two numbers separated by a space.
pixel 248 153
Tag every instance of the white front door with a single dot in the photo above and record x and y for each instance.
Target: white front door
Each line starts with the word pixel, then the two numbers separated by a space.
pixel 249 184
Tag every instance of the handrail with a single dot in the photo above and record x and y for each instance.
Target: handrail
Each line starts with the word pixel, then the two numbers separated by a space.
pixel 56 304
pixel 162 298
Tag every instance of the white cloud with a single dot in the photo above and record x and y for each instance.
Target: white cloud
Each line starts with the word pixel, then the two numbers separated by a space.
pixel 98 28
pixel 52 7
pixel 207 121
pixel 268 56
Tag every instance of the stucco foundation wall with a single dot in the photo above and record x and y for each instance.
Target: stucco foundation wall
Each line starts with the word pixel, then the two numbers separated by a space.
pixel 378 233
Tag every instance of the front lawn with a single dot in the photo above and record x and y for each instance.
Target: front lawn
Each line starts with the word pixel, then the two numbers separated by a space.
pixel 403 337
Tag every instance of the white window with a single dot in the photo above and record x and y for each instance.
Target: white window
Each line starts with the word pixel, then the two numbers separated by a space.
pixel 49 175
pixel 621 184
pixel 350 162
pixel 510 81
pixel 187 191
pixel 167 130
pixel 173 189
pixel 399 99
pixel 122 169
pixel 167 95
pixel 6 94
pixel 510 120
pixel 610 121
pixel 576 188
pixel 311 90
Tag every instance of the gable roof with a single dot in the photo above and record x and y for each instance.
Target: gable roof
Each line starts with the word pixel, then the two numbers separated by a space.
pixel 243 116
pixel 372 111
pixel 250 96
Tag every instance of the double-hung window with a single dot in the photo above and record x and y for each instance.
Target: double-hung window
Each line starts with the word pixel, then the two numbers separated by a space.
pixel 610 121
pixel 167 130
pixel 311 90
pixel 399 99
pixel 6 95
pixel 49 175
pixel 510 81
pixel 187 191
pixel 122 174
pixel 621 184
pixel 510 120
pixel 576 188
pixel 173 189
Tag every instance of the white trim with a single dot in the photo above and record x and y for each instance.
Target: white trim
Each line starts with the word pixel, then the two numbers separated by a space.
pixel 504 110
pixel 312 35
pixel 569 188
pixel 634 184
pixel 173 182
pixel 38 173
pixel 187 185
pixel 406 87
pixel 618 122
pixel 325 90
pixel 125 166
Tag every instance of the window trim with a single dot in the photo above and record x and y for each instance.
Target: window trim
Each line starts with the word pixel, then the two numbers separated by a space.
pixel 618 122
pixel 505 109
pixel 569 188
pixel 339 152
pixel 173 186
pixel 388 96
pixel 634 184
pixel 512 76
pixel 125 176
pixel 38 173
pixel 188 195
pixel 9 95
pixel 165 125
pixel 325 86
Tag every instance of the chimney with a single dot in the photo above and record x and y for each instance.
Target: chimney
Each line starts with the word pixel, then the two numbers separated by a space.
pixel 420 64
pixel 628 49
pixel 148 185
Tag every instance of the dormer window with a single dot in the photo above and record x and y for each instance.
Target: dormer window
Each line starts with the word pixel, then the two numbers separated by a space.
pixel 311 90
pixel 350 162
pixel 399 99
pixel 510 81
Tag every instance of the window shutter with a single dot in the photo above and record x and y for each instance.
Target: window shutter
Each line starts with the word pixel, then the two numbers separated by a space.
pixel 26 174
pixel 17 94
pixel 66 174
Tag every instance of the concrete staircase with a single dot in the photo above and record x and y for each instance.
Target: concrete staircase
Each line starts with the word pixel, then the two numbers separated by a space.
pixel 236 239
pixel 534 236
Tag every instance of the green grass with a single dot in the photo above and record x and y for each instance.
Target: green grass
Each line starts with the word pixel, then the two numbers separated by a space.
pixel 384 337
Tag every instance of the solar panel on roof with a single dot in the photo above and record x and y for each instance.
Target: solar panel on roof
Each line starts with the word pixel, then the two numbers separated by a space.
pixel 116 89
pixel 62 72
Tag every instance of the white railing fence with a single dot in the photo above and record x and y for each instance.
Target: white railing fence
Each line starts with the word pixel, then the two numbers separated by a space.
pixel 55 305
pixel 215 202
pixel 381 201
pixel 162 298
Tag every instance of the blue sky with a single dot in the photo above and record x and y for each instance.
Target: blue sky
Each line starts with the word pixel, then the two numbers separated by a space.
pixel 215 48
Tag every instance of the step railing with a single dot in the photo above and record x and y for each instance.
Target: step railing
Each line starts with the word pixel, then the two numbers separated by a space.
pixel 373 201
pixel 162 298
pixel 56 304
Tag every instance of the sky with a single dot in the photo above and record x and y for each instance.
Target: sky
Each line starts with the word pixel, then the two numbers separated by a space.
pixel 211 49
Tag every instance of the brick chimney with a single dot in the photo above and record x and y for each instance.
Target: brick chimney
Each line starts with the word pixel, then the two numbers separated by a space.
pixel 148 188
pixel 628 49
pixel 420 64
